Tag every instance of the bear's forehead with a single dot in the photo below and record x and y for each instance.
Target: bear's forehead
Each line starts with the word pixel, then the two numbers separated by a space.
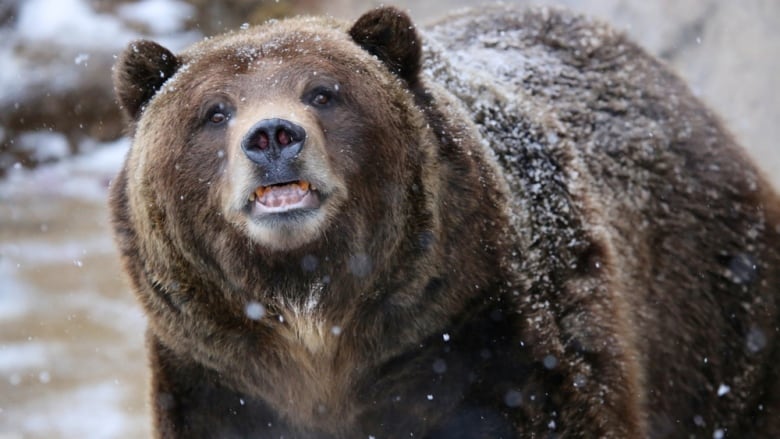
pixel 270 54
pixel 284 57
pixel 283 41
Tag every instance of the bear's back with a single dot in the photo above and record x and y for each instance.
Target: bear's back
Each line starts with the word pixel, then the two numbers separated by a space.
pixel 597 138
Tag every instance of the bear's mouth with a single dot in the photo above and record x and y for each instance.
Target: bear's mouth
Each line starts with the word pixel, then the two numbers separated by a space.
pixel 284 197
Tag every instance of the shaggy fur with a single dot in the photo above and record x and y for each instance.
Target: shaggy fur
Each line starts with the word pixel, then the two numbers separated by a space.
pixel 529 228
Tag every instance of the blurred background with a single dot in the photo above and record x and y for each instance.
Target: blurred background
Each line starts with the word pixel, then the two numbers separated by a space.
pixel 72 361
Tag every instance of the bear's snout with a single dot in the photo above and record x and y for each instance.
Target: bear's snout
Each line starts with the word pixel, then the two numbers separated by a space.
pixel 273 144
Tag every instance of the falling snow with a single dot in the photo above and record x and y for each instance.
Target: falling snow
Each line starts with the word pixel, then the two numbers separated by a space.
pixel 102 406
pixel 254 310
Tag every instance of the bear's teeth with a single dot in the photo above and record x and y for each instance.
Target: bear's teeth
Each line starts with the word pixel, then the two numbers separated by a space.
pixel 289 193
pixel 261 191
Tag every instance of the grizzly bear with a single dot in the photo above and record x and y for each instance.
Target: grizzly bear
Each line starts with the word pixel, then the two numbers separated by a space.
pixel 514 223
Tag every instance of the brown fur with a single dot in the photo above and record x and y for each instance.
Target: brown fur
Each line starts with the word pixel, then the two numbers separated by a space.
pixel 562 243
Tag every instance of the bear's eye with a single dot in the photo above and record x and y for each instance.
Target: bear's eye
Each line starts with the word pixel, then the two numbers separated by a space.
pixel 218 114
pixel 218 118
pixel 321 97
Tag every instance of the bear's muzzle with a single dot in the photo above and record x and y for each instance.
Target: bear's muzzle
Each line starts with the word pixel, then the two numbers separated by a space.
pixel 274 144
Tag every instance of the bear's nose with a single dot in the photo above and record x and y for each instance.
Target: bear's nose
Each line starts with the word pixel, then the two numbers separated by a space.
pixel 271 140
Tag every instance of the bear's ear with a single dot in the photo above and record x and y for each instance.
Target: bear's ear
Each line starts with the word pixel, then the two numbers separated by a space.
pixel 141 70
pixel 389 34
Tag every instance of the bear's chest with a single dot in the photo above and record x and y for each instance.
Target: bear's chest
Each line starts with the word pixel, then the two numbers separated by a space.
pixel 314 384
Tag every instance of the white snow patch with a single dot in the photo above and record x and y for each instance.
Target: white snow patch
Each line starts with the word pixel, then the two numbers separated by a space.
pixel 28 253
pixel 15 357
pixel 160 16
pixel 81 58
pixel 45 145
pixel 21 76
pixel 69 23
pixel 14 295
pixel 94 411
pixel 72 35
pixel 119 314
pixel 85 176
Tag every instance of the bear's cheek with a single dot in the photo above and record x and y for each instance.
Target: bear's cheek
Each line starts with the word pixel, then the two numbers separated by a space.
pixel 188 172
pixel 354 143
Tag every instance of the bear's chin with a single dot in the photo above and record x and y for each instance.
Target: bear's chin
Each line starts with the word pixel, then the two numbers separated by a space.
pixel 285 230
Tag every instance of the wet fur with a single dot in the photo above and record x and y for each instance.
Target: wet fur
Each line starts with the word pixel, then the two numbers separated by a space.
pixel 582 252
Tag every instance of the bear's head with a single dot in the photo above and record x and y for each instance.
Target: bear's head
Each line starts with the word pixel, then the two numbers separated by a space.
pixel 277 134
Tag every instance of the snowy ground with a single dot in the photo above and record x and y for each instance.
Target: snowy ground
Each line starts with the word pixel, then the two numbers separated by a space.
pixel 71 337
pixel 72 363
